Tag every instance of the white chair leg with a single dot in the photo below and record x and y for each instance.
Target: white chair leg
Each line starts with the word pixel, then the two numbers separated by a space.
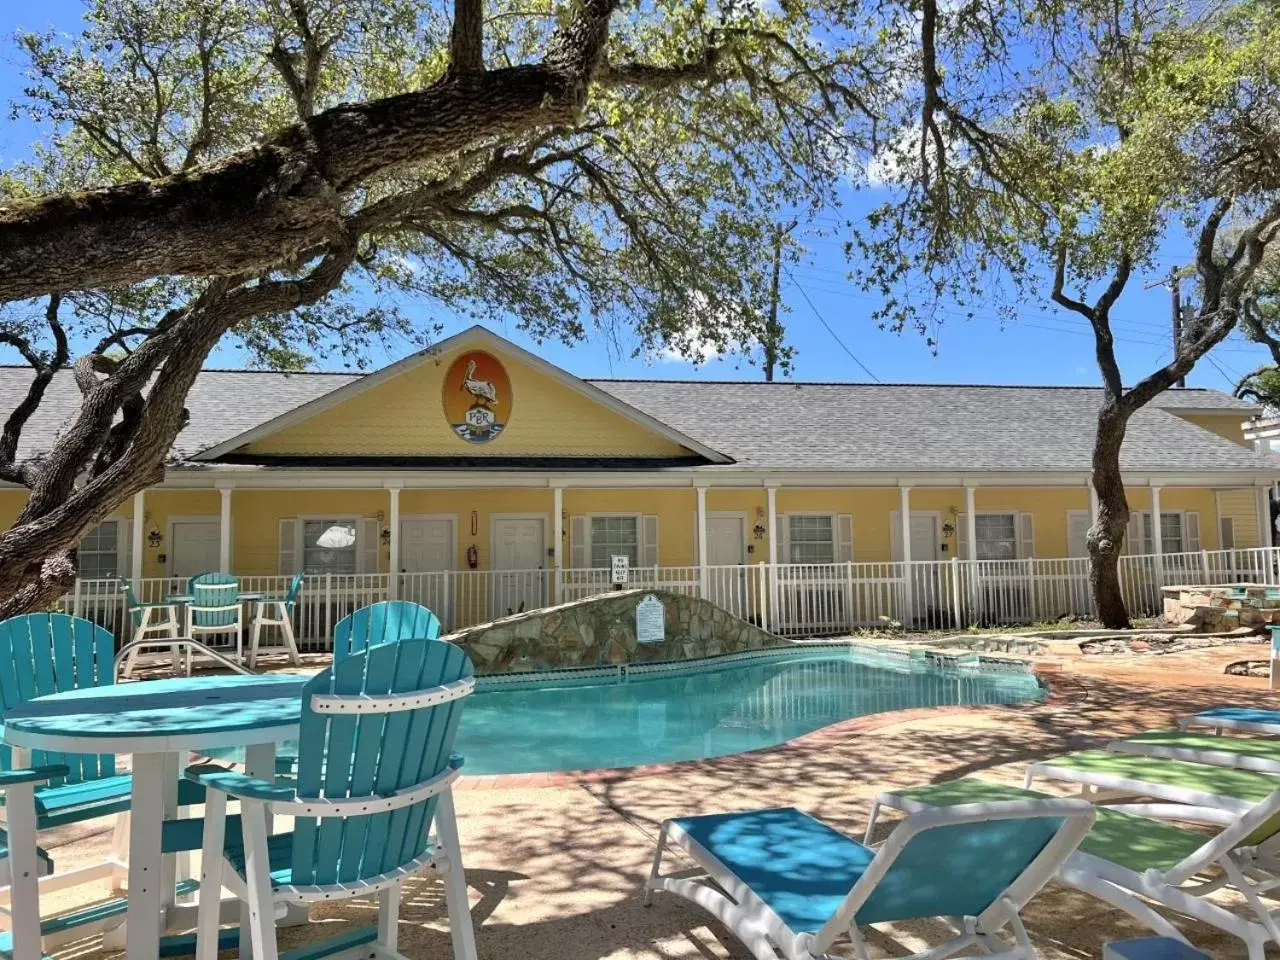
pixel 455 884
pixel 24 866
pixel 262 920
pixel 254 639
pixel 208 914
pixel 119 853
pixel 389 918
pixel 286 630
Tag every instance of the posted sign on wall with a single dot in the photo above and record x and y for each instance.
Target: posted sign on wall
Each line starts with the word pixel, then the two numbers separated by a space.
pixel 621 568
pixel 651 620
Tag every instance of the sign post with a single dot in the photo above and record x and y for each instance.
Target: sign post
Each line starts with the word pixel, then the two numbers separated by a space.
pixel 620 568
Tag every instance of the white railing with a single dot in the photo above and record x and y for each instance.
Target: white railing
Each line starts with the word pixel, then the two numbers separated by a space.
pixel 788 599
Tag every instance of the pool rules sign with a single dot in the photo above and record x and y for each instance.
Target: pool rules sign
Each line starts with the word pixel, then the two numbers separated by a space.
pixel 651 620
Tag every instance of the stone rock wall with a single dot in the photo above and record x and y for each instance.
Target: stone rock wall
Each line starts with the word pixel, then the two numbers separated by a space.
pixel 1219 609
pixel 602 630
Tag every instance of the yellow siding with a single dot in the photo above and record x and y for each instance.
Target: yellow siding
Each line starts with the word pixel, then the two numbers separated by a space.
pixel 256 515
pixel 11 502
pixel 1241 506
pixel 1227 425
pixel 405 417
pixel 157 507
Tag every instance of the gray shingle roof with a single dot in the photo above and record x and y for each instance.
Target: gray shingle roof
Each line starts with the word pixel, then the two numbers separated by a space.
pixel 779 426
pixel 903 428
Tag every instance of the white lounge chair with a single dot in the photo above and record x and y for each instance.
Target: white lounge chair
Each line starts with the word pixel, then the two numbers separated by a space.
pixel 788 884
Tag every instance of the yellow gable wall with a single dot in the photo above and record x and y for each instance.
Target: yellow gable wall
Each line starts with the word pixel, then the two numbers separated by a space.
pixel 405 417
pixel 1227 425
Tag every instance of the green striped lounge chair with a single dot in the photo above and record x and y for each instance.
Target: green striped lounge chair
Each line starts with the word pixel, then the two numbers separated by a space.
pixel 1134 863
pixel 44 653
pixel 1234 720
pixel 1243 753
pixel 788 885
pixel 374 776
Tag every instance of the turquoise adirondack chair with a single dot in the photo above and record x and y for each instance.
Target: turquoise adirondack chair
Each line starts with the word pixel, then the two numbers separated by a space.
pixel 158 618
pixel 276 612
pixel 384 622
pixel 374 775
pixel 43 653
pixel 22 862
pixel 214 607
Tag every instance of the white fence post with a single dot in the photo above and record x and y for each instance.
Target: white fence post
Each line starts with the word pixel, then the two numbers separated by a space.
pixel 955 592
pixel 848 595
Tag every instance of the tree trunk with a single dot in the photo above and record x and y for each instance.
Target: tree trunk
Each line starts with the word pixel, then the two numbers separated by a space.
pixel 1106 535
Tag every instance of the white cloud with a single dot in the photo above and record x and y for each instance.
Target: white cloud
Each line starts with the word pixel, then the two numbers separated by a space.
pixel 701 352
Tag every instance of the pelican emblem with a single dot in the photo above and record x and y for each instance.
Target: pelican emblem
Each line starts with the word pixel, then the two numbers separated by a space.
pixel 483 390
pixel 477 396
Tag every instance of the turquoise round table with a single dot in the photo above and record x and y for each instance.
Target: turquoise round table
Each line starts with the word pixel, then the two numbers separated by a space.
pixel 158 722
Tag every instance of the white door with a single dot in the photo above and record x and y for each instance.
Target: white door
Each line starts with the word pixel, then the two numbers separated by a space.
pixel 194 547
pixel 926 578
pixel 519 559
pixel 427 560
pixel 726 556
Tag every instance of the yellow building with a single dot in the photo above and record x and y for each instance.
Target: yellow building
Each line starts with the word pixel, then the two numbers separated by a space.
pixel 489 480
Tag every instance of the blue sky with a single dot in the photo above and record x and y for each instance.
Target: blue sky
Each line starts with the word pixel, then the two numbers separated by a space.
pixel 1044 345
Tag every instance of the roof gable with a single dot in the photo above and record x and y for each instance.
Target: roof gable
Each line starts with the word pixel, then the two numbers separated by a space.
pixel 421 407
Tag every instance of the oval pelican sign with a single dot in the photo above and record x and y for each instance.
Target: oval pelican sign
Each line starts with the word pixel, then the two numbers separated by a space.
pixel 477 396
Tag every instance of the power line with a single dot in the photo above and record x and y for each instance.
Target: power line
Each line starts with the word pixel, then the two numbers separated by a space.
pixel 827 326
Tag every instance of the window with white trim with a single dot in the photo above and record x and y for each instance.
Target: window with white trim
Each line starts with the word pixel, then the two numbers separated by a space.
pixel 812 538
pixel 329 545
pixel 615 536
pixel 997 536
pixel 1171 533
pixel 99 552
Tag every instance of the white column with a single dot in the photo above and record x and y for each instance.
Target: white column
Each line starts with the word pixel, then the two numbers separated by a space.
pixel 135 572
pixel 904 515
pixel 774 618
pixel 971 520
pixel 772 493
pixel 1264 517
pixel 224 530
pixel 557 509
pixel 702 541
pixel 1157 537
pixel 393 556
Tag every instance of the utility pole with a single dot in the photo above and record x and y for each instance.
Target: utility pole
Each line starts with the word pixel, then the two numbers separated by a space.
pixel 1176 291
pixel 772 329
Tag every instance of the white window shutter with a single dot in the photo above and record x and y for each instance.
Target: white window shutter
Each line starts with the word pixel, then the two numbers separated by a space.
pixel 1226 533
pixel 784 538
pixel 962 536
pixel 124 548
pixel 844 551
pixel 1026 536
pixel 895 536
pixel 1078 533
pixel 1191 531
pixel 368 545
pixel 1133 536
pixel 579 546
pixel 649 540
pixel 289 548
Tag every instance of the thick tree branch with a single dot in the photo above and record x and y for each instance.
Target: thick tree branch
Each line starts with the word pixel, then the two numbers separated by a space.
pixel 466 39
pixel 10 469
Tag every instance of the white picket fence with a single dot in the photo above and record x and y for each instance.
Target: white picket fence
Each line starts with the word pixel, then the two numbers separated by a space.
pixel 789 599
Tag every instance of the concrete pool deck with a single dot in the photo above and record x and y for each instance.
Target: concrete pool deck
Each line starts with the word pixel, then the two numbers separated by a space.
pixel 556 871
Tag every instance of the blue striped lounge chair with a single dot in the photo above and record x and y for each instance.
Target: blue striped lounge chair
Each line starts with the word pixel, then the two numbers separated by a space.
pixel 788 885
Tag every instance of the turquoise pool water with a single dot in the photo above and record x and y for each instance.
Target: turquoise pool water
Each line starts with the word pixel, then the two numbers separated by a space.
pixel 708 711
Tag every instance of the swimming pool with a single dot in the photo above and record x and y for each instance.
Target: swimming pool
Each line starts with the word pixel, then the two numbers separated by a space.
pixel 663 713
